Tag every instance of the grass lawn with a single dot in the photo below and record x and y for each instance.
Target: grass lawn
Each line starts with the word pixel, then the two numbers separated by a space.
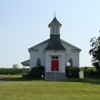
pixel 17 88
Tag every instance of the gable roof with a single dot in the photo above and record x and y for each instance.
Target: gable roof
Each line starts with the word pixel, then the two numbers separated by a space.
pixel 31 48
pixel 41 43
pixel 70 44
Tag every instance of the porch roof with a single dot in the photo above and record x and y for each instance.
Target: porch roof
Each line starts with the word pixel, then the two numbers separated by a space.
pixel 26 63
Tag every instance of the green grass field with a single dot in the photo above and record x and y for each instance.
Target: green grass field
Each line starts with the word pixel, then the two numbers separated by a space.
pixel 16 88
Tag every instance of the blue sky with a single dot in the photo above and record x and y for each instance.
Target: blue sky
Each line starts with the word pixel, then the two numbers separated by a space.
pixel 24 23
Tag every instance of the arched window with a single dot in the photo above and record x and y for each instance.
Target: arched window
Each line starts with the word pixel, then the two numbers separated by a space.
pixel 71 62
pixel 38 62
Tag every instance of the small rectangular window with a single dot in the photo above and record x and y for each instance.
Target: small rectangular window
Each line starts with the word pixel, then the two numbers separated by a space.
pixel 54 57
pixel 57 29
pixel 53 29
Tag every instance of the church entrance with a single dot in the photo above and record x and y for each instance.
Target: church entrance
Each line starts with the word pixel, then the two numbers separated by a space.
pixel 54 63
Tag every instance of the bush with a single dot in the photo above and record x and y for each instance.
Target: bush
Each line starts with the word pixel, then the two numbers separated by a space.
pixel 11 70
pixel 72 72
pixel 96 74
pixel 91 72
pixel 67 71
pixel 36 72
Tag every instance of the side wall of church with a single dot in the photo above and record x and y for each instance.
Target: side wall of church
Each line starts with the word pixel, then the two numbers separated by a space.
pixel 39 53
pixel 73 53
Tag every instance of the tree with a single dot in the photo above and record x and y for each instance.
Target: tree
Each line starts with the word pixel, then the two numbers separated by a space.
pixel 15 66
pixel 95 52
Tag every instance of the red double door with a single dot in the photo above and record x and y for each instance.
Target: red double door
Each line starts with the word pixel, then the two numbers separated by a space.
pixel 54 65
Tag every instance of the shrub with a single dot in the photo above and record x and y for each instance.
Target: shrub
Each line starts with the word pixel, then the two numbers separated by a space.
pixel 72 72
pixel 36 72
pixel 91 72
pixel 97 74
pixel 67 71
pixel 12 70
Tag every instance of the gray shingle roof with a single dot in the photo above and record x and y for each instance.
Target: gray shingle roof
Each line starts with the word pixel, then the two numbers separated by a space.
pixel 26 63
pixel 55 43
pixel 54 22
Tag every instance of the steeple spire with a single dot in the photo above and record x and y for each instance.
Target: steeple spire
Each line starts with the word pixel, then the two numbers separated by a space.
pixel 55 22
pixel 54 14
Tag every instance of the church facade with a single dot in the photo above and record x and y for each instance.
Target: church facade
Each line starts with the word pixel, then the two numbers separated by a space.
pixel 54 54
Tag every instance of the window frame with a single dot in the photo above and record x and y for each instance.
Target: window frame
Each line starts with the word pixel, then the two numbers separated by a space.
pixel 70 61
pixel 55 29
pixel 38 62
pixel 54 57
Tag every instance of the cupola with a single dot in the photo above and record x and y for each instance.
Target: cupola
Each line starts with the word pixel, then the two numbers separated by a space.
pixel 55 26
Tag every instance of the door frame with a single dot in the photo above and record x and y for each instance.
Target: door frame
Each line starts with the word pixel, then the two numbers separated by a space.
pixel 55 58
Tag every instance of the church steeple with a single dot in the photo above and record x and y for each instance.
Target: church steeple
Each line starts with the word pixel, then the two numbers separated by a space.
pixel 55 43
pixel 55 26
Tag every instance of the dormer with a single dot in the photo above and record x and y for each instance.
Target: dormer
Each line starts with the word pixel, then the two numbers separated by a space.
pixel 55 26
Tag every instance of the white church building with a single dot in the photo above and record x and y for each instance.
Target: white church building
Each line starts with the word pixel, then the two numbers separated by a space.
pixel 54 54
